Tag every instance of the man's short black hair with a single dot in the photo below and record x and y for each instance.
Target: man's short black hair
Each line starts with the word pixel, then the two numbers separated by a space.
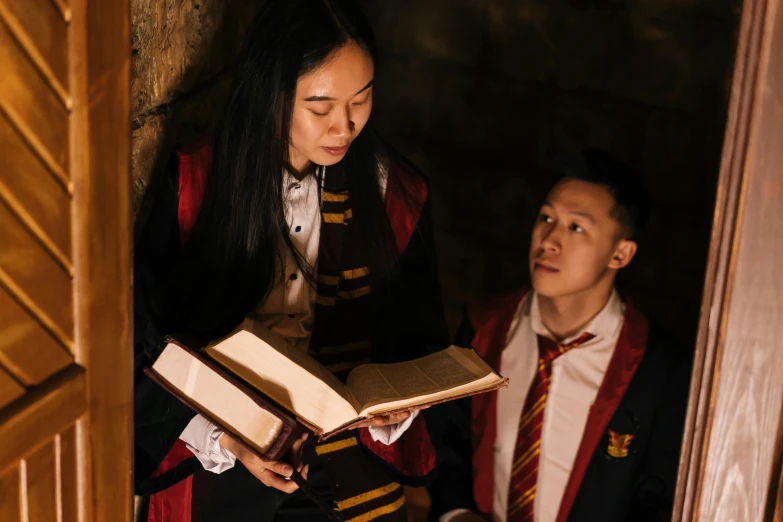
pixel 632 202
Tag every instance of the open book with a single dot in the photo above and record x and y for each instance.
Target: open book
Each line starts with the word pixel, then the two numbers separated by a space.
pixel 230 381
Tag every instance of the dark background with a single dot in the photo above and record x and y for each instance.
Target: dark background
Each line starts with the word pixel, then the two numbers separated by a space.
pixel 482 94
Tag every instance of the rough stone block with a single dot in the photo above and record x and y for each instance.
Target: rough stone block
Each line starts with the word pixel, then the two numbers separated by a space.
pixel 177 44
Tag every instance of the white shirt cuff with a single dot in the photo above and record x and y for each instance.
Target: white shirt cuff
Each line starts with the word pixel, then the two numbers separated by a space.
pixel 389 434
pixel 203 439
pixel 446 517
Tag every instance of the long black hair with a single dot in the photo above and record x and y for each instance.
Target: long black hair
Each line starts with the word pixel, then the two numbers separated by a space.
pixel 230 262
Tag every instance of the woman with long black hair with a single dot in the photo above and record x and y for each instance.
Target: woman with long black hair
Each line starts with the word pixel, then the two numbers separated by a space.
pixel 297 214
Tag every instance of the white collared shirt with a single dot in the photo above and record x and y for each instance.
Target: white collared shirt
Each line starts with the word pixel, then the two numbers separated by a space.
pixel 576 377
pixel 288 311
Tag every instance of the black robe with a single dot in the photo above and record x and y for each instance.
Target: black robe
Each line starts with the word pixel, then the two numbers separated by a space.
pixel 412 326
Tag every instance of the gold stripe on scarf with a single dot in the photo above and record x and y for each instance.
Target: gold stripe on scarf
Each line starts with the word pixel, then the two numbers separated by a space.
pixel 323 449
pixel 377 513
pixel 355 273
pixel 366 497
pixel 335 197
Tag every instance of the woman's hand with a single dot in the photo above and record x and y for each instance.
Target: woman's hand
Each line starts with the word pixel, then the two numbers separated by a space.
pixel 272 473
pixel 387 420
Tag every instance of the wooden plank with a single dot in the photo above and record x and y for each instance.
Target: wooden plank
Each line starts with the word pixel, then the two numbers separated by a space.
pixel 35 110
pixel 733 440
pixel 41 23
pixel 25 178
pixel 717 274
pixel 69 475
pixel 10 390
pixel 63 6
pixel 20 334
pixel 42 413
pixel 10 496
pixel 101 249
pixel 44 289
pixel 42 484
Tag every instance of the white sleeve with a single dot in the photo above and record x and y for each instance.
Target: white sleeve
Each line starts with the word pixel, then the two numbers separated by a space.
pixel 389 434
pixel 203 439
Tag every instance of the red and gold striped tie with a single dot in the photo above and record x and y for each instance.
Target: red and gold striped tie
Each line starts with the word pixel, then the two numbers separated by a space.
pixel 524 471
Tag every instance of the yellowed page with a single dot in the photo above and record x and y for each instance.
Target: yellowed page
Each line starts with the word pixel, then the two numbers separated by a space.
pixel 287 375
pixel 448 373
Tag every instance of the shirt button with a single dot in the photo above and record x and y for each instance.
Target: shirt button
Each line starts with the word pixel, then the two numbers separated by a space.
pixel 297 229
pixel 293 277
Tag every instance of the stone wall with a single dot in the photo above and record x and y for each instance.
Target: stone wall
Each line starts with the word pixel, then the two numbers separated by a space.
pixel 482 94
pixel 183 52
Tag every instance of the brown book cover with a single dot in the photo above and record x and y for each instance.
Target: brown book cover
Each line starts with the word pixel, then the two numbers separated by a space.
pixel 291 430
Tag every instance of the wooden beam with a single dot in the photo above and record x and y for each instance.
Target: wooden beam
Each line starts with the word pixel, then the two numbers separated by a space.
pixel 40 414
pixel 102 235
pixel 732 437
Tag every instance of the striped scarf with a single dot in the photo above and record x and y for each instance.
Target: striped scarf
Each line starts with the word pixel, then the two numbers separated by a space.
pixel 341 340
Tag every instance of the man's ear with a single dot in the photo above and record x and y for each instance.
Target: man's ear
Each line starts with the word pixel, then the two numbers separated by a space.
pixel 623 253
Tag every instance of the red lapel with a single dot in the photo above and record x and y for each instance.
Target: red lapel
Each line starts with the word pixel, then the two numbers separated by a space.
pixel 491 321
pixel 626 358
pixel 404 212
pixel 194 163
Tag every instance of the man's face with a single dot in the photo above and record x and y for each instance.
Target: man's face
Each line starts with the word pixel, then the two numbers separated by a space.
pixel 576 241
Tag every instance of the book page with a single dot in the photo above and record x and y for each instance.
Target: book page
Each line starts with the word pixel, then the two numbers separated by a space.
pixel 286 374
pixel 451 369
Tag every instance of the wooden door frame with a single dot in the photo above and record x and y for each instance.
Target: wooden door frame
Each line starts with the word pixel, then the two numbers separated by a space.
pixel 731 456
pixel 102 243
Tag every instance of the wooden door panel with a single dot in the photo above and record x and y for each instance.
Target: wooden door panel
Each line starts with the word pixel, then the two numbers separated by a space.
pixel 41 414
pixel 65 261
pixel 10 390
pixel 37 110
pixel 11 494
pixel 41 483
pixel 19 332
pixel 35 279
pixel 35 196
pixel 69 474
pixel 42 22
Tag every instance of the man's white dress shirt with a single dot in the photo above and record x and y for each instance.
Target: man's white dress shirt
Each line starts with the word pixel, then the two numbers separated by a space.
pixel 576 377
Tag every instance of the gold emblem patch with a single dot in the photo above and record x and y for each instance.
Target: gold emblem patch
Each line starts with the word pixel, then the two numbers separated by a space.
pixel 618 444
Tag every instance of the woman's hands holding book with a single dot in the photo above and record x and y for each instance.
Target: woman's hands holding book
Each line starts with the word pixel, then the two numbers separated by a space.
pixel 386 420
pixel 274 474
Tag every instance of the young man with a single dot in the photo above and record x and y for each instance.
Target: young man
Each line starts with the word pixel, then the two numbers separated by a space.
pixel 590 426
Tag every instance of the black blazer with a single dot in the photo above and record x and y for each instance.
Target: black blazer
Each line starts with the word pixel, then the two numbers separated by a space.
pixel 413 326
pixel 638 487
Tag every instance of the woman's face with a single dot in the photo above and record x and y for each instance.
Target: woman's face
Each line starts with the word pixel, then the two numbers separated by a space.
pixel 332 106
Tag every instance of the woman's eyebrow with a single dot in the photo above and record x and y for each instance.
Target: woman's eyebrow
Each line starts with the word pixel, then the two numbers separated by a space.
pixel 328 98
